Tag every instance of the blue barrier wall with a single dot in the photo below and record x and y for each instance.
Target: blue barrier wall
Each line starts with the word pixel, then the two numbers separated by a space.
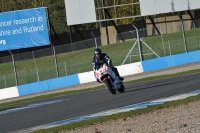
pixel 47 85
pixel 148 65
pixel 171 61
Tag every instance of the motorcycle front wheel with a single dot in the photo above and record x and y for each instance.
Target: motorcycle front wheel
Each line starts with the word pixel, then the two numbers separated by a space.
pixel 109 86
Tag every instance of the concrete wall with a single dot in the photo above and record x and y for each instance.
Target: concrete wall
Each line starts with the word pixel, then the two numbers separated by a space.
pixel 169 24
pixel 112 33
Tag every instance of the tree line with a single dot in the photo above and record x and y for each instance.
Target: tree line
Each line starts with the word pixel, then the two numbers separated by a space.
pixel 57 12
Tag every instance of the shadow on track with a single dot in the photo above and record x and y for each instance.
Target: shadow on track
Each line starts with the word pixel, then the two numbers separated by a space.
pixel 153 85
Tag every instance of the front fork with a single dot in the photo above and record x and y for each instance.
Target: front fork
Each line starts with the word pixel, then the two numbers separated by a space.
pixel 111 81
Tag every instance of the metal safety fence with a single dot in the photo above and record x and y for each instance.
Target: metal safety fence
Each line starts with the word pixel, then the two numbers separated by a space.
pixel 59 61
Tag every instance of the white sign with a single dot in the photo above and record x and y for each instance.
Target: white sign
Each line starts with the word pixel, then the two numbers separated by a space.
pixel 80 11
pixel 151 7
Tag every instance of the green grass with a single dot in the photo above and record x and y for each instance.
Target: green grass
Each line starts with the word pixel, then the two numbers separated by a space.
pixel 80 61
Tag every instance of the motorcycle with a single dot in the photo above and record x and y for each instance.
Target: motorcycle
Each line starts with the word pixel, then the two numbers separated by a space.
pixel 112 82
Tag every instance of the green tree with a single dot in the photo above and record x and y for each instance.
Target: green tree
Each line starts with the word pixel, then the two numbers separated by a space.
pixel 56 10
pixel 57 15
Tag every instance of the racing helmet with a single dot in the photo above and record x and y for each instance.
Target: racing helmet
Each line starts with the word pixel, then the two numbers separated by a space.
pixel 97 51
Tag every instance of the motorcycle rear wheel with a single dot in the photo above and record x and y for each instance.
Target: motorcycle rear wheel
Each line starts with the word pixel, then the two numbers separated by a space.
pixel 109 86
pixel 122 89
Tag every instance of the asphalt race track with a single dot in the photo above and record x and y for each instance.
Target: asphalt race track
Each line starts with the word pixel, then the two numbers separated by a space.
pixel 71 106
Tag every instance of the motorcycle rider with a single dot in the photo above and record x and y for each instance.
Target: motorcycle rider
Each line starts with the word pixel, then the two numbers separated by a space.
pixel 102 58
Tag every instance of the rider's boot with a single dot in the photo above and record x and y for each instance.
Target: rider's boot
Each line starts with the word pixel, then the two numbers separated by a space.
pixel 117 74
pixel 121 78
pixel 98 80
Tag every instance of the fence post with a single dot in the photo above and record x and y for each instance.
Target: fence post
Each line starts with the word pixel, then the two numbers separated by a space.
pixel 65 67
pixel 74 48
pixel 38 77
pixel 95 40
pixel 130 56
pixel 15 72
pixel 139 43
pixel 183 30
pixel 162 42
pixel 77 64
pixel 5 81
pixel 71 37
pixel 170 53
pixel 56 62
pixel 34 59
pixel 198 42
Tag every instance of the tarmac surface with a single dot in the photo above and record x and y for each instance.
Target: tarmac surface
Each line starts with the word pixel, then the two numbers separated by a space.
pixel 65 107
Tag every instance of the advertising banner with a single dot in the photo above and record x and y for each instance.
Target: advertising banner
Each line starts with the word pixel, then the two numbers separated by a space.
pixel 23 29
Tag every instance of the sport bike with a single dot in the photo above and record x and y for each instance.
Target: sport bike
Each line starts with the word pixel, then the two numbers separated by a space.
pixel 112 82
